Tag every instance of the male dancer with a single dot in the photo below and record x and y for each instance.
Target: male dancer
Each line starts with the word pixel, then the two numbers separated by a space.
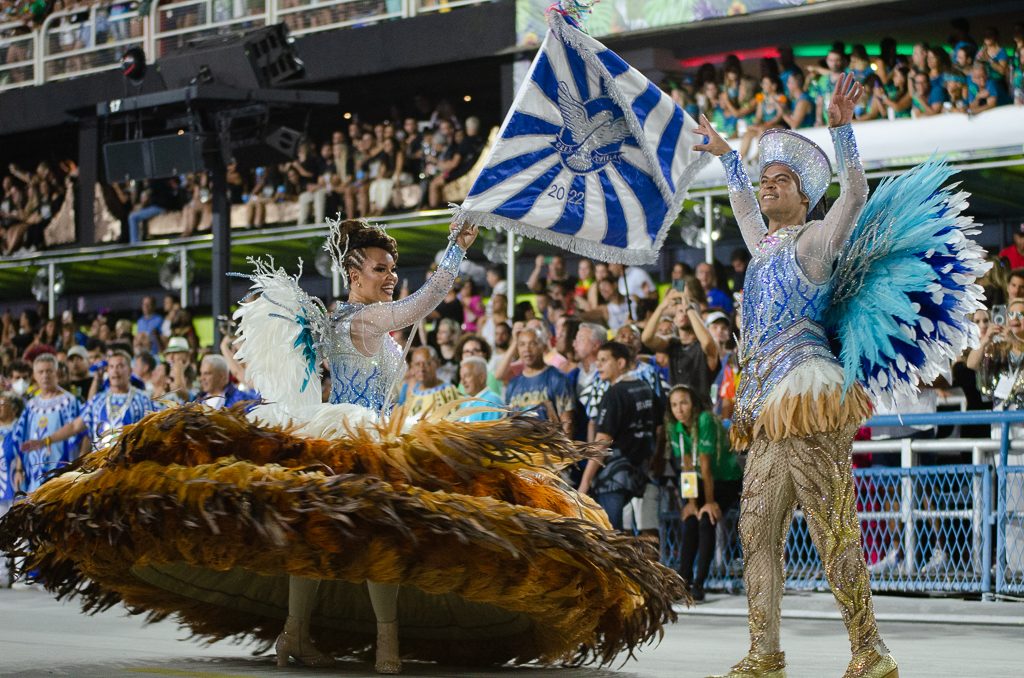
pixel 790 408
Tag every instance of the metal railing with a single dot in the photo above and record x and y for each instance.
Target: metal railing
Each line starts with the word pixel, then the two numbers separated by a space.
pixel 311 16
pixel 951 527
pixel 175 23
pixel 78 42
pixel 17 56
pixel 1010 531
pixel 89 40
pixel 425 6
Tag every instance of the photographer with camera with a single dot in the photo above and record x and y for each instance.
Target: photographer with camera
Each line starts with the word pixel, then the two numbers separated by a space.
pixel 627 419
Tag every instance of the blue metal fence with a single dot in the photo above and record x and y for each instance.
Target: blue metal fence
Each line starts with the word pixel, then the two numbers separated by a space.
pixel 1010 531
pixel 951 528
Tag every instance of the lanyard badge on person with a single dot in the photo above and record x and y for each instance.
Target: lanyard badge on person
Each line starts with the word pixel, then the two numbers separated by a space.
pixel 688 479
pixel 1007 382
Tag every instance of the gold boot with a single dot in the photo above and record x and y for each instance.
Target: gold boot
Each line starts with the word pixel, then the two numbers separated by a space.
pixel 295 643
pixel 759 666
pixel 388 659
pixel 872 664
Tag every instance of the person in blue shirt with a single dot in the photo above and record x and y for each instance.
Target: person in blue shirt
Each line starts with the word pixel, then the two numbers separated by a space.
pixel 982 94
pixel 46 414
pixel 802 112
pixel 540 388
pixel 149 323
pixel 716 297
pixel 473 380
pixel 106 413
pixel 216 389
pixel 997 66
pixel 939 65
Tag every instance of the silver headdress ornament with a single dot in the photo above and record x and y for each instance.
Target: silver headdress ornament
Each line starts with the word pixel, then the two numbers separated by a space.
pixel 801 155
pixel 334 247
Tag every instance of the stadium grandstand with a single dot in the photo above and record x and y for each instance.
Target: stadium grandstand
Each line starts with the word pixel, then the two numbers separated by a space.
pixel 386 110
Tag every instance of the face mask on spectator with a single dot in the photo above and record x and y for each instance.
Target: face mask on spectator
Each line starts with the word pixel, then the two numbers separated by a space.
pixel 19 386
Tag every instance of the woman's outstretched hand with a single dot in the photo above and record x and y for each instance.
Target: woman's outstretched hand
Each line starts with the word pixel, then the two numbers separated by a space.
pixel 465 235
pixel 712 141
pixel 844 100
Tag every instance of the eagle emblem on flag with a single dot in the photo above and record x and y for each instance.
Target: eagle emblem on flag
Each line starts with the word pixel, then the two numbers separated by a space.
pixel 592 157
pixel 589 141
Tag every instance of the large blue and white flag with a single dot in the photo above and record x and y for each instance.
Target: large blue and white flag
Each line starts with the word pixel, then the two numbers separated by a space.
pixel 592 157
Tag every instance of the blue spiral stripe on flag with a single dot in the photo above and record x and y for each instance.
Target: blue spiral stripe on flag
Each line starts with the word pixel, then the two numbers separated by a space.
pixel 667 146
pixel 613 208
pixel 522 202
pixel 509 168
pixel 572 216
pixel 579 73
pixel 545 79
pixel 646 103
pixel 647 193
pixel 621 148
pixel 613 62
pixel 526 124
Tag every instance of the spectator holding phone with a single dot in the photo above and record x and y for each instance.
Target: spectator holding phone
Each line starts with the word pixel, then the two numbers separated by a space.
pixel 693 356
pixel 999 358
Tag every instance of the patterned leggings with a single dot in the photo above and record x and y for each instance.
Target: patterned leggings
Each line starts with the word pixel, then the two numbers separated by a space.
pixel 816 473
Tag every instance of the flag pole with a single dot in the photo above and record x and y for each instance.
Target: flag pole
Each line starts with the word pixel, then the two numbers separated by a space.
pixel 625 286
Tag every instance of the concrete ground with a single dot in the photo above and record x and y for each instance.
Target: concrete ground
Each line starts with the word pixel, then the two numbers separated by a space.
pixel 41 637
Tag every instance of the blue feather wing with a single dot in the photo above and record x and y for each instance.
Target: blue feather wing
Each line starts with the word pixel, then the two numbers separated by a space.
pixel 905 284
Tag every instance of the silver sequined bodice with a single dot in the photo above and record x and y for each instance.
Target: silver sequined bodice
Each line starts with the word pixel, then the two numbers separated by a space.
pixel 782 315
pixel 783 306
pixel 358 379
pixel 368 377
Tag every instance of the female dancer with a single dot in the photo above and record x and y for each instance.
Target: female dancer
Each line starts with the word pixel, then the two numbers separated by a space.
pixel 366 364
pixel 347 520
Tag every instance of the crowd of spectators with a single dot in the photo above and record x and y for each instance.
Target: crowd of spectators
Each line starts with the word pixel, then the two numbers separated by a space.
pixel 405 163
pixel 31 198
pixel 364 170
pixel 961 75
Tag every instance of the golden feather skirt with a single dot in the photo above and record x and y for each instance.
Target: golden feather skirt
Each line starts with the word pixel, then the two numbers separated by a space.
pixel 202 515
pixel 803 415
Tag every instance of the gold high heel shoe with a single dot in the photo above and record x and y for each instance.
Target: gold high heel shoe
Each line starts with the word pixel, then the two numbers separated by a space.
pixel 758 666
pixel 388 659
pixel 295 643
pixel 872 664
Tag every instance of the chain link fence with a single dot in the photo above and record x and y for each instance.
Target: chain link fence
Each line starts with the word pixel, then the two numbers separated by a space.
pixel 924 529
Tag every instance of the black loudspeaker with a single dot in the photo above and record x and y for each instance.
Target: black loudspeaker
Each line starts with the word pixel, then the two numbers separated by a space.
pixel 176 154
pixel 255 60
pixel 285 141
pixel 155 158
pixel 125 160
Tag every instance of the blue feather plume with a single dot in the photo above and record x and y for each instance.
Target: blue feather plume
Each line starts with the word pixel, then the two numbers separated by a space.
pixel 905 284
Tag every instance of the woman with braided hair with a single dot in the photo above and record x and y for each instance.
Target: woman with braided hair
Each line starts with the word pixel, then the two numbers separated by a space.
pixel 365 364
pixel 363 525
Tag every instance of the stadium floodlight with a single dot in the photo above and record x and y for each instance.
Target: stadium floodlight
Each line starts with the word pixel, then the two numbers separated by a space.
pixel 41 284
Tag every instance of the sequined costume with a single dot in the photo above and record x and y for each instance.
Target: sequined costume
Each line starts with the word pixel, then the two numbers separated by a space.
pixel 206 515
pixel 792 383
pixel 368 374
pixel 790 407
